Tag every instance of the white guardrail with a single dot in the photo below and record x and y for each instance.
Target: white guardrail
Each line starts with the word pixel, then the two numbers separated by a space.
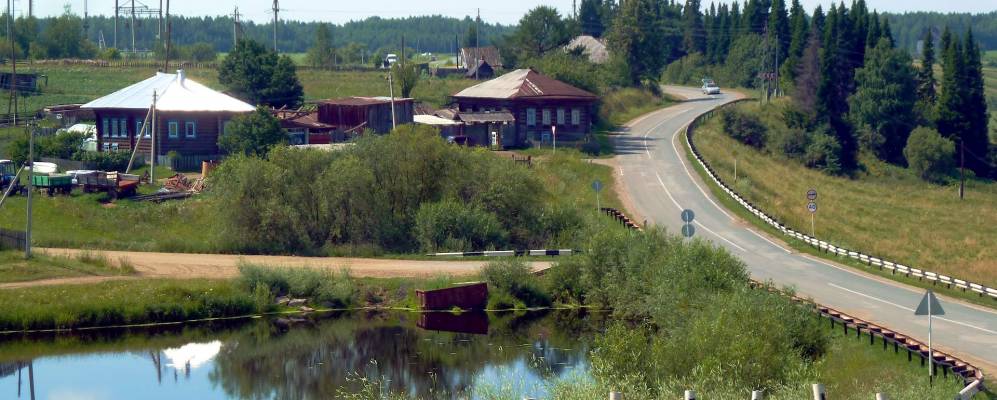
pixel 872 261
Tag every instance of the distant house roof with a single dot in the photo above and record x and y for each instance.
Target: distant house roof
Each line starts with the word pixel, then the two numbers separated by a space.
pixel 362 101
pixel 482 69
pixel 489 54
pixel 174 92
pixel 433 120
pixel 594 48
pixel 294 119
pixel 484 117
pixel 523 84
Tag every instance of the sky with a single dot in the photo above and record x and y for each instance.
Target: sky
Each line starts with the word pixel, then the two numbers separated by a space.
pixel 503 11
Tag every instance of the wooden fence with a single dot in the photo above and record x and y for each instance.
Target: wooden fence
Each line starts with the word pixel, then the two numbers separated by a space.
pixel 12 240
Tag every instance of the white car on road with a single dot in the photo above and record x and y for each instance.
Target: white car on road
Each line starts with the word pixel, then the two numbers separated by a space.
pixel 710 87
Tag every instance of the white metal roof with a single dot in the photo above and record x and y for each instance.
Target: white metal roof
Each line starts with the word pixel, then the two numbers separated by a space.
pixel 175 92
pixel 433 120
pixel 503 87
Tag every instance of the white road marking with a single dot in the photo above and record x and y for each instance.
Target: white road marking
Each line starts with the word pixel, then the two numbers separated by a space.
pixel 679 206
pixel 681 160
pixel 767 240
pixel 911 309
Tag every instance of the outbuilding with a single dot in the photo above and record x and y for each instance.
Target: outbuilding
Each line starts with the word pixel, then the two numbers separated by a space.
pixel 189 118
pixel 358 113
pixel 524 108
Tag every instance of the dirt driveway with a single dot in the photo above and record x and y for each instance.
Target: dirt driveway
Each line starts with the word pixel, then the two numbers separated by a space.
pixel 224 266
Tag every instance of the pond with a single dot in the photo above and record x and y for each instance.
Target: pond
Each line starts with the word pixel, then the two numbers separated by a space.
pixel 430 355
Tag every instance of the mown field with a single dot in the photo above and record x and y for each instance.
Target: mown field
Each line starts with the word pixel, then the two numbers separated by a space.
pixel 79 84
pixel 884 211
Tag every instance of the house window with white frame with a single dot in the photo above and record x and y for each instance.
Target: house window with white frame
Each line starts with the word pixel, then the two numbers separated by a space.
pixel 190 129
pixel 531 116
pixel 107 128
pixel 114 147
pixel 124 127
pixel 106 146
pixel 114 127
pixel 546 116
pixel 560 116
pixel 174 129
pixel 576 116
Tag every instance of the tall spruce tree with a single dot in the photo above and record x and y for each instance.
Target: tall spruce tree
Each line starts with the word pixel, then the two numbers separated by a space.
pixel 949 118
pixel 836 83
pixel 590 14
pixel 778 28
pixel 639 39
pixel 756 15
pixel 884 99
pixel 799 30
pixel 808 73
pixel 975 110
pixel 693 31
pixel 874 33
pixel 926 94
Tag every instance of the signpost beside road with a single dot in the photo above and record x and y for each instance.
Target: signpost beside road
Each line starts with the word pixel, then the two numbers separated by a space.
pixel 687 229
pixel 930 306
pixel 812 207
pixel 597 187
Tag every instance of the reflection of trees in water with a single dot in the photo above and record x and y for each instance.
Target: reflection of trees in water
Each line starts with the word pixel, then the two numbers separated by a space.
pixel 313 362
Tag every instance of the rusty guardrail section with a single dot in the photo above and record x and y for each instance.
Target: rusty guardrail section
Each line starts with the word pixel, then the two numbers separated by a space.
pixel 871 261
pixel 971 375
pixel 622 218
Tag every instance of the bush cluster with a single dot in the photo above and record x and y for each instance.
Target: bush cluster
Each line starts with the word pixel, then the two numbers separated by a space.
pixel 511 284
pixel 744 127
pixel 400 192
pixel 321 286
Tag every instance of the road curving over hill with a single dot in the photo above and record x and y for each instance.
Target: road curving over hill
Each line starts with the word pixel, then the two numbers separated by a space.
pixel 659 181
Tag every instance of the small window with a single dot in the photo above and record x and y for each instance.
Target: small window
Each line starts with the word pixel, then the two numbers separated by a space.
pixel 106 146
pixel 174 129
pixel 560 116
pixel 107 128
pixel 114 147
pixel 124 127
pixel 190 129
pixel 546 117
pixel 114 127
pixel 138 128
pixel 531 116
pixel 576 116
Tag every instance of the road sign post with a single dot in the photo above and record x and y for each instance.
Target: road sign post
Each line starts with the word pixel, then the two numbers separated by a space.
pixel 553 132
pixel 812 207
pixel 597 187
pixel 687 229
pixel 930 306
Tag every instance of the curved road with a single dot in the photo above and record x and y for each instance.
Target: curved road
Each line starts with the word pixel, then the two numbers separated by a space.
pixel 659 182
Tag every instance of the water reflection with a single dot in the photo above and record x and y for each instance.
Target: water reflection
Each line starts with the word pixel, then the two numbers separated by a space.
pixel 427 355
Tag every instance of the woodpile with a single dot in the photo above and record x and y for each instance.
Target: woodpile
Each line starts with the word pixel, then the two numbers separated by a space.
pixel 180 183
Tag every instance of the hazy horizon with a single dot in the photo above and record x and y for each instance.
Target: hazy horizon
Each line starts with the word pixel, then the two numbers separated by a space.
pixel 506 12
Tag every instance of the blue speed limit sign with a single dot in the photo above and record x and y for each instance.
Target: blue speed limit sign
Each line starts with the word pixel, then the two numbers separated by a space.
pixel 812 207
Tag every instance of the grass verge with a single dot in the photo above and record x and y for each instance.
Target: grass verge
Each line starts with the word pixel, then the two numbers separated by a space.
pixel 802 247
pixel 14 268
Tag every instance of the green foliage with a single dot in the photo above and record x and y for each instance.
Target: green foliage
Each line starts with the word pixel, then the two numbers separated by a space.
pixel 253 134
pixel 744 127
pixel 930 156
pixel 822 153
pixel 260 76
pixel 407 76
pixel 450 225
pixel 745 61
pixel 200 52
pixel 371 194
pixel 109 54
pixel 619 106
pixel 321 53
pixel 540 31
pixel 592 15
pixel 574 70
pixel 319 285
pixel 511 284
pixel 884 101
pixel 63 38
pixel 645 37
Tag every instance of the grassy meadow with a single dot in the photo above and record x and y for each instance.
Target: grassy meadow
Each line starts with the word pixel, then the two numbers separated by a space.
pixel 14 268
pixel 884 211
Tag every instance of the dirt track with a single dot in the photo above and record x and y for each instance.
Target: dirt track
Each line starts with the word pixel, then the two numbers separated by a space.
pixel 223 266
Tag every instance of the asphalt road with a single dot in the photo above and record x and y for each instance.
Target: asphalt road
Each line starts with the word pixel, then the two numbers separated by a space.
pixel 660 182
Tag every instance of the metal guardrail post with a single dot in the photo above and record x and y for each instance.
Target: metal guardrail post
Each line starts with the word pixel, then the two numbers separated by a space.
pixel 690 395
pixel 819 393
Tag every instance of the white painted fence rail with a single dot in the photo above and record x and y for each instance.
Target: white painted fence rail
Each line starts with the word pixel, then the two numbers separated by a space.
pixel 872 261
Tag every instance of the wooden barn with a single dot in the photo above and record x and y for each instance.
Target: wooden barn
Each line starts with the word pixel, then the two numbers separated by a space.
pixel 189 117
pixel 303 127
pixel 469 56
pixel 520 109
pixel 359 113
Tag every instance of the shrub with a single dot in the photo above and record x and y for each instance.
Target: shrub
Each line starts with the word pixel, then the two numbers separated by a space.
pixel 929 155
pixel 822 153
pixel 450 225
pixel 108 160
pixel 792 142
pixel 319 285
pixel 514 278
pixel 745 128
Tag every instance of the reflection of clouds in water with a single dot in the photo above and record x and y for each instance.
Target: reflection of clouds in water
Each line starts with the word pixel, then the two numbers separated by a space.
pixel 76 394
pixel 192 355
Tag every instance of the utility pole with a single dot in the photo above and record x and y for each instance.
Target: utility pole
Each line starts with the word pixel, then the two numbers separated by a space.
pixel 235 27
pixel 31 8
pixel 116 24
pixel 169 41
pixel 152 144
pixel 13 61
pixel 31 190
pixel 86 22
pixel 477 44
pixel 276 9
pixel 391 91
pixel 159 34
pixel 133 26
